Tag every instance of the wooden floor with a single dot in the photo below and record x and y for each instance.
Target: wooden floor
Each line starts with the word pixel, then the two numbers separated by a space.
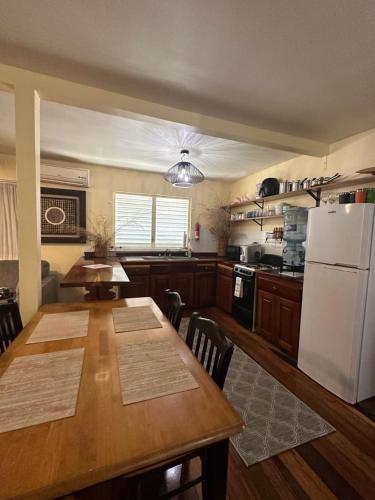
pixel 340 465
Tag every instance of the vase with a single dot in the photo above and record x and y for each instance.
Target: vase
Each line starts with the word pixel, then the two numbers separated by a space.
pixel 222 247
pixel 101 251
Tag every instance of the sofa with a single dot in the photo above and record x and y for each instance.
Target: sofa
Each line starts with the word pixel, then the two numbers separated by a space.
pixel 50 280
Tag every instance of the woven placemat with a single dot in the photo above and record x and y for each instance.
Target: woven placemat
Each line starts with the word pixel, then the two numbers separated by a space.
pixel 40 388
pixel 128 319
pixel 151 370
pixel 59 326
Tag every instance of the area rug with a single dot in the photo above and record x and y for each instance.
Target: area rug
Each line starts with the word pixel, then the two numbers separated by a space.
pixel 275 419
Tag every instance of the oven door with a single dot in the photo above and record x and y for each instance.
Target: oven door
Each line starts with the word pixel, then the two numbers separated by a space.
pixel 243 307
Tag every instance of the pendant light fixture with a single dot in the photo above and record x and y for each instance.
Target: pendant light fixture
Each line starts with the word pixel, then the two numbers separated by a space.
pixel 184 174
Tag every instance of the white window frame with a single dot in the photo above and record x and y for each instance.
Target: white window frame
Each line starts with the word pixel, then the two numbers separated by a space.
pixel 153 226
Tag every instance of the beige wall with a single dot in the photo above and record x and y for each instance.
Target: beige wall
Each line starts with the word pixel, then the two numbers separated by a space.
pixel 345 157
pixel 105 181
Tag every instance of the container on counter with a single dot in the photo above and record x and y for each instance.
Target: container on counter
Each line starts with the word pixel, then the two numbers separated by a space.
pixel 283 187
pixel 352 197
pixel 279 209
pixel 360 195
pixel 344 197
pixel 370 196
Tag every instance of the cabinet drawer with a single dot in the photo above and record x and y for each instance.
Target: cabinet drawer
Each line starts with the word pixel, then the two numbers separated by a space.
pixel 137 270
pixel 224 270
pixel 160 269
pixel 209 267
pixel 278 286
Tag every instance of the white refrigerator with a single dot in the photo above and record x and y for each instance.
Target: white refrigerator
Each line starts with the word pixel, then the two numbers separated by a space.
pixel 337 336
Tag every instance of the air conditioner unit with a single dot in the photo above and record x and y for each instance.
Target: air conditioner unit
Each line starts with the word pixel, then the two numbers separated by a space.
pixel 58 173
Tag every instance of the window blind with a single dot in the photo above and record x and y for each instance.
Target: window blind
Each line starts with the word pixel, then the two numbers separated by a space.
pixel 171 222
pixel 133 220
pixel 150 221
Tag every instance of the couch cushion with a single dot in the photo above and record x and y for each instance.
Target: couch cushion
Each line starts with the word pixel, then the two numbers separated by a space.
pixel 45 269
pixel 9 272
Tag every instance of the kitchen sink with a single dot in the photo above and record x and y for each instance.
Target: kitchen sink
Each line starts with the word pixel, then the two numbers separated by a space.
pixel 168 257
pixel 176 257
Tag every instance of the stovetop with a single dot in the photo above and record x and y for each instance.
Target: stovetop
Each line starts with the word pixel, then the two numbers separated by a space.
pixel 250 268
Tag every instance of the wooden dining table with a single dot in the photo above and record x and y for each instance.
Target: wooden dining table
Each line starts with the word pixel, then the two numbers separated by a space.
pixel 106 439
pixel 98 282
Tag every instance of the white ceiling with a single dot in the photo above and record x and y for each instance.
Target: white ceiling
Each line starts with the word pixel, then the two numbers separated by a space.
pixel 299 66
pixel 75 134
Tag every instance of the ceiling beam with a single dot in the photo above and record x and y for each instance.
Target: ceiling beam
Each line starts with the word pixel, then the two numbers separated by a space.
pixel 97 99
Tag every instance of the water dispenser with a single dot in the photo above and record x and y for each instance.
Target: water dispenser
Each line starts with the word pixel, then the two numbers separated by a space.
pixel 295 224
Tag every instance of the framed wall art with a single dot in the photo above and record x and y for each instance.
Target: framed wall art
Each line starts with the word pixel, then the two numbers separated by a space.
pixel 62 212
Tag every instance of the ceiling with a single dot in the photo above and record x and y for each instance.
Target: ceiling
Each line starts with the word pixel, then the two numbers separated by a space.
pixel 298 66
pixel 80 135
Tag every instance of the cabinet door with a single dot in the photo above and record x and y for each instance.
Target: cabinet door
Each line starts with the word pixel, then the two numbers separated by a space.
pixel 267 315
pixel 139 286
pixel 159 283
pixel 224 292
pixel 183 283
pixel 288 319
pixel 205 289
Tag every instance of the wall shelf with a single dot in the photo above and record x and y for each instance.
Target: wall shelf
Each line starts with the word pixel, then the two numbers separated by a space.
pixel 314 192
pixel 259 220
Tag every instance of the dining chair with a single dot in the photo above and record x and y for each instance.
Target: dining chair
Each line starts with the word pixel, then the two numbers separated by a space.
pixel 210 346
pixel 173 307
pixel 10 324
pixel 214 351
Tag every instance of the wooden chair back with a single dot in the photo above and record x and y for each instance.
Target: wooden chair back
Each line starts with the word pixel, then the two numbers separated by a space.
pixel 210 346
pixel 173 307
pixel 10 324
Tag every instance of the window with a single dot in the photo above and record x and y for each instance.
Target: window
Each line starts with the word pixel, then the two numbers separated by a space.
pixel 150 221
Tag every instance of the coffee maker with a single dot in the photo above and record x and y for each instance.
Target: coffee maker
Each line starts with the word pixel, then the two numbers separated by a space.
pixel 250 253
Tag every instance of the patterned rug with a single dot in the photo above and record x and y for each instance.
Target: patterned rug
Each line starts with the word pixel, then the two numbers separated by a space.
pixel 275 419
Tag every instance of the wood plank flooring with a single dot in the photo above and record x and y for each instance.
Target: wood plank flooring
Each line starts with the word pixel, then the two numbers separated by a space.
pixel 340 465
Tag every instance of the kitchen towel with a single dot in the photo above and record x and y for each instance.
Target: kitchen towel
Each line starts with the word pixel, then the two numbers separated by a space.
pixel 238 288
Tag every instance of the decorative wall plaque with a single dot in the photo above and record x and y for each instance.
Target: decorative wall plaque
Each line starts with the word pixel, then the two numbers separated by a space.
pixel 62 212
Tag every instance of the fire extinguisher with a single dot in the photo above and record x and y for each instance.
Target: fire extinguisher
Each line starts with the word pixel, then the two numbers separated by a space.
pixel 197 230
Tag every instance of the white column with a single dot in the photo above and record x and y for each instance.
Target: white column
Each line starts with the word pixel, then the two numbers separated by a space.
pixel 28 198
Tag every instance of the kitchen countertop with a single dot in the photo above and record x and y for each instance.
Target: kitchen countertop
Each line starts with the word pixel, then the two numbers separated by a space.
pixel 157 259
pixel 276 274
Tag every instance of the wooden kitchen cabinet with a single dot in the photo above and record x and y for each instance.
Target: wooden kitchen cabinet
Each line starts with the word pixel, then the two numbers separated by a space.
pixel 288 325
pixel 194 281
pixel 205 288
pixel 224 288
pixel 267 315
pixel 279 311
pixel 183 283
pixel 139 285
pixel 159 283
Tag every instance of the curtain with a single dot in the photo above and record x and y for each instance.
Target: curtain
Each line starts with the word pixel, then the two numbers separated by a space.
pixel 8 221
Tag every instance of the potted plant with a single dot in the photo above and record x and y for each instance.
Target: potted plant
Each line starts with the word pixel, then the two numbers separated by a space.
pixel 100 234
pixel 218 221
